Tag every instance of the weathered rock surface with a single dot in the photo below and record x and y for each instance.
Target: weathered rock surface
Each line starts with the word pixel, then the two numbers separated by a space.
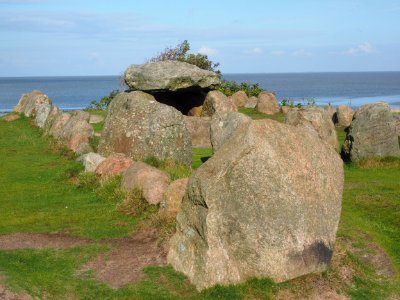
pixel 151 181
pixel 91 161
pixel 240 99
pixel 252 102
pixel 114 164
pixel 249 210
pixel 267 103
pixel 216 101
pixel 173 196
pixel 372 133
pixel 317 121
pixel 77 130
pixel 169 76
pixel 29 103
pixel 223 125
pixel 53 114
pixel 139 126
pixel 42 114
pixel 57 123
pixel 344 115
pixel 199 129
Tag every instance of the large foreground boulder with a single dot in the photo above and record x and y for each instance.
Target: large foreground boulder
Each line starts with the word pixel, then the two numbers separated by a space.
pixel 216 101
pixel 223 125
pixel 372 133
pixel 317 121
pixel 267 204
pixel 169 76
pixel 139 126
pixel 30 102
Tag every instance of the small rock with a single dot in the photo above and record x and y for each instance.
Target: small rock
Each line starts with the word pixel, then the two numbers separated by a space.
pixel 91 161
pixel 344 115
pixel 240 99
pixel 77 130
pixel 216 101
pixel 252 102
pixel 152 182
pixel 267 103
pixel 113 165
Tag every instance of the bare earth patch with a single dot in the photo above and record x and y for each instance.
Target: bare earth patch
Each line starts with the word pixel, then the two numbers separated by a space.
pixel 123 263
pixel 38 241
pixel 8 295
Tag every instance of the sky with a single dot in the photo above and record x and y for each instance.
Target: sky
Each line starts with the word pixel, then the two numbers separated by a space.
pixel 85 37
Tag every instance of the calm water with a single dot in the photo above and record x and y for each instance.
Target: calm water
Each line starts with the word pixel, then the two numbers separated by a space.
pixel 337 88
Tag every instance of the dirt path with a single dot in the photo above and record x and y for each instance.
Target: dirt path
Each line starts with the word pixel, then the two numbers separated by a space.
pixel 117 267
pixel 128 256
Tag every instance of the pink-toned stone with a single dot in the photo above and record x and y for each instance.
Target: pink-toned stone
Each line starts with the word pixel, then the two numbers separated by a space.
pixel 11 118
pixel 240 99
pixel 151 181
pixel 267 103
pixel 216 101
pixel 113 165
pixel 344 115
pixel 199 129
pixel 173 196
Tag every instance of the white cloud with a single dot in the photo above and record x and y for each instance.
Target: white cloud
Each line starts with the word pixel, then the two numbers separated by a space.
pixel 255 51
pixel 277 52
pixel 362 49
pixel 301 53
pixel 207 50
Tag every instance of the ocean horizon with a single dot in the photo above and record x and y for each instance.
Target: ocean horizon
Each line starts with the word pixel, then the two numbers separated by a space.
pixel 336 88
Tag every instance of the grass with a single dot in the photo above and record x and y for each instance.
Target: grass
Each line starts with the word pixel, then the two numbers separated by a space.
pixel 37 196
pixel 255 115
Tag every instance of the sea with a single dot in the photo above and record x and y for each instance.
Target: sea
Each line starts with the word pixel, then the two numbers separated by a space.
pixel 350 88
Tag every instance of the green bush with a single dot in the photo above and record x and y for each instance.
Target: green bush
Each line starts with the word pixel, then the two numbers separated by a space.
pixel 104 102
pixel 181 53
pixel 231 87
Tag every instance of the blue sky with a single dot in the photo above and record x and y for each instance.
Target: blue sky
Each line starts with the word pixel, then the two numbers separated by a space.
pixel 56 37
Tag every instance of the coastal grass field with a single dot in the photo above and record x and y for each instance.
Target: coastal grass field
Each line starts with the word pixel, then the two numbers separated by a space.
pixel 40 193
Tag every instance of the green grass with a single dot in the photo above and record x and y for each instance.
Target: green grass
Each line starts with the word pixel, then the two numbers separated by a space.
pixel 200 155
pixel 98 127
pixel 37 196
pixel 255 115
